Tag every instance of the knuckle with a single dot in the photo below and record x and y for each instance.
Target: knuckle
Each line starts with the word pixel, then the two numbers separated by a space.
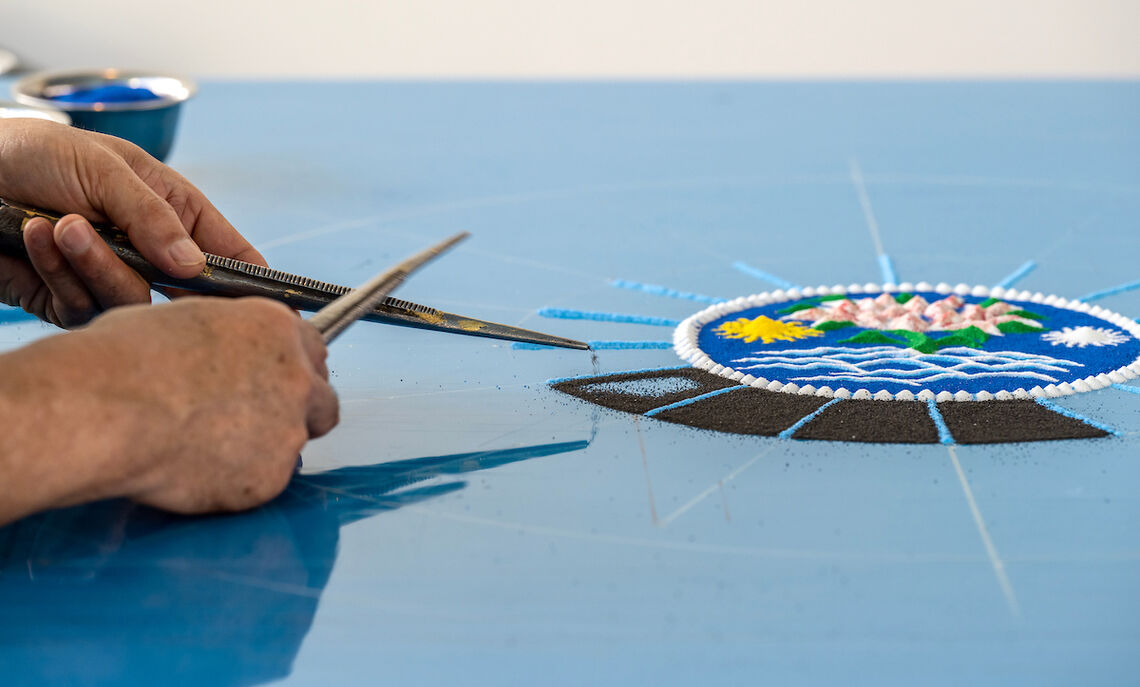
pixel 275 314
pixel 324 421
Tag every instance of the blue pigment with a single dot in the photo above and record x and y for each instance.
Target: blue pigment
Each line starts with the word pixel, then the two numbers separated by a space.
pixel 644 387
pixel 1096 295
pixel 1061 410
pixel 1017 274
pixel 887 266
pixel 787 433
pixel 629 345
pixel 10 315
pixel 564 314
pixel 695 399
pixel 657 290
pixel 944 435
pixel 113 93
pixel 761 274
pixel 600 345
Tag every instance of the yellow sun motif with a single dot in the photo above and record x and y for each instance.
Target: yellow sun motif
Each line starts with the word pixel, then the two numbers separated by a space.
pixel 765 329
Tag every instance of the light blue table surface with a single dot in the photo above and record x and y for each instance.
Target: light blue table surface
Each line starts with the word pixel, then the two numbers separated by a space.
pixel 570 545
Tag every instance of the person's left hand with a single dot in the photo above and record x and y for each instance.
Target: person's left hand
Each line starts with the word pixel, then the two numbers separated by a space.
pixel 72 275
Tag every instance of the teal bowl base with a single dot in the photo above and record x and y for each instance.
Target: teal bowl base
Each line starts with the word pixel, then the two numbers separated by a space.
pixel 151 130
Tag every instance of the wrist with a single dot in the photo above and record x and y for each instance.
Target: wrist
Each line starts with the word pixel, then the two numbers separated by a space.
pixel 72 436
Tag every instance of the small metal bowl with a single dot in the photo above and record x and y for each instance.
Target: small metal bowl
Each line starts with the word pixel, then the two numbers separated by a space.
pixel 11 110
pixel 149 123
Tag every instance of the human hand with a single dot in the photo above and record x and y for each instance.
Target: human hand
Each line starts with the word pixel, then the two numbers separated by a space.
pixel 221 395
pixel 73 275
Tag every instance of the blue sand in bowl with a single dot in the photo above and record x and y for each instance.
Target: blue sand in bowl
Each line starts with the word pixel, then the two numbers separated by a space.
pixel 113 93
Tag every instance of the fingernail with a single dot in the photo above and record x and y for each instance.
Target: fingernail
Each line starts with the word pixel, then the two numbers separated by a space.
pixel 75 237
pixel 186 252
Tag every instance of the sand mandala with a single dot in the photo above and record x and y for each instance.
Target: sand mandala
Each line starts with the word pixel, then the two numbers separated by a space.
pixel 907 363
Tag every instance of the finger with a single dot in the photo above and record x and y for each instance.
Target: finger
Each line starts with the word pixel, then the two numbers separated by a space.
pixel 115 190
pixel 73 303
pixel 107 278
pixel 208 227
pixel 20 285
pixel 323 409
pixel 18 280
pixel 315 348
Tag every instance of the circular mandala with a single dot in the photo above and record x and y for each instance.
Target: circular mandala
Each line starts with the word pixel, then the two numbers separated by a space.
pixel 912 342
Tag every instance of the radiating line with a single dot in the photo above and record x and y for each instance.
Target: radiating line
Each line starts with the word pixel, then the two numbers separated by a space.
pixel 658 290
pixel 564 314
pixel 694 399
pixel 1017 275
pixel 719 484
pixel 991 550
pixel 887 268
pixel 1061 410
pixel 628 345
pixel 559 380
pixel 885 264
pixel 765 276
pixel 1129 389
pixel 598 346
pixel 1096 295
pixel 787 433
pixel 944 435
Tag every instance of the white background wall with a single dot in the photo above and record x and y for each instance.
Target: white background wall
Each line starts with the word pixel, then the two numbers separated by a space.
pixel 582 38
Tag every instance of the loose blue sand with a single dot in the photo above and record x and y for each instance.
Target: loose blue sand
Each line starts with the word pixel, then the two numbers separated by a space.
pixel 645 387
pixel 114 93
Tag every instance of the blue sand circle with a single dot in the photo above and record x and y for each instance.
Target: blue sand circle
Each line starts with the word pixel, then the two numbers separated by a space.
pixel 1002 363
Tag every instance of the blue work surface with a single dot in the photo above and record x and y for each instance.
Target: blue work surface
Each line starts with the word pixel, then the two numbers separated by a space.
pixel 466 524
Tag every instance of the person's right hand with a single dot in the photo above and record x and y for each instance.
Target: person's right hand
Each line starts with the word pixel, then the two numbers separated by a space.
pixel 218 396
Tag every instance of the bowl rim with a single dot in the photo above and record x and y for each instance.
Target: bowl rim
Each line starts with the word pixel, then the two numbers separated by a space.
pixel 25 91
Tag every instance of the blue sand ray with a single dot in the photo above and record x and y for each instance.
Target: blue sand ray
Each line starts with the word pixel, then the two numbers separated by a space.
pixel 1061 410
pixel 1017 275
pixel 1126 387
pixel 765 276
pixel 564 314
pixel 887 267
pixel 559 380
pixel 787 433
pixel 628 345
pixel 944 435
pixel 600 345
pixel 1104 293
pixel 694 399
pixel 658 290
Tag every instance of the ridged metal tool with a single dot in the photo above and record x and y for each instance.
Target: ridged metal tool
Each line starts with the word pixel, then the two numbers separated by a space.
pixel 234 278
pixel 335 317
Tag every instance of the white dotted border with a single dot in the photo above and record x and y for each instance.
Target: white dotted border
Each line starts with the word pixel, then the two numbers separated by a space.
pixel 685 342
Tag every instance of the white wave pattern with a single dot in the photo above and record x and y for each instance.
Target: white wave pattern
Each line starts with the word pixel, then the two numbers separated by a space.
pixel 907 366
